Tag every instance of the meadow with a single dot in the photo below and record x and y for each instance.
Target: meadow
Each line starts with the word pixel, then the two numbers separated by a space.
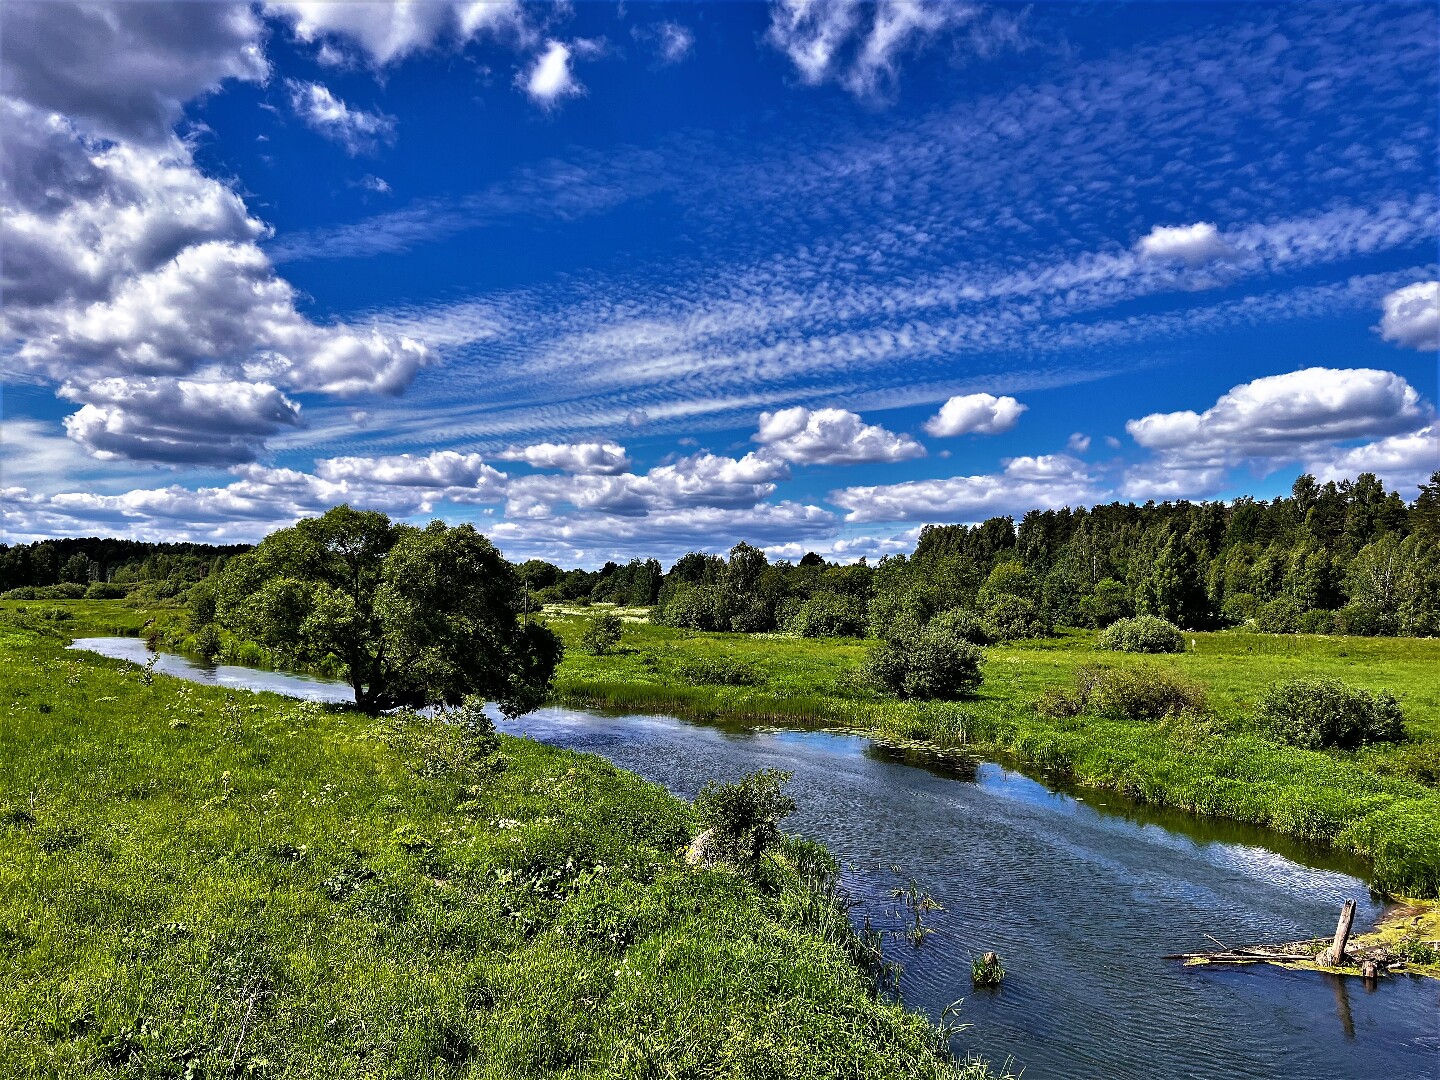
pixel 1380 802
pixel 196 882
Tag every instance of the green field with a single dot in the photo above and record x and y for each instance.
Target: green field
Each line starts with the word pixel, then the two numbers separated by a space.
pixel 202 883
pixel 1381 802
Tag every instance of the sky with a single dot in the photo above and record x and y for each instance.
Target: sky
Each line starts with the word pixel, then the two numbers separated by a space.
pixel 619 280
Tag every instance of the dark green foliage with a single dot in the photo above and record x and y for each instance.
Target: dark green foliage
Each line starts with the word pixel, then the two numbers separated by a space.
pixel 1142 634
pixel 1142 693
pixel 987 970
pixel 1279 616
pixel 1318 714
pixel 744 817
pixel 719 671
pixel 828 614
pixel 937 662
pixel 416 616
pixel 602 633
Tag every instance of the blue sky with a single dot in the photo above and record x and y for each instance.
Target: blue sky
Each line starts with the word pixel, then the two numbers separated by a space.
pixel 612 280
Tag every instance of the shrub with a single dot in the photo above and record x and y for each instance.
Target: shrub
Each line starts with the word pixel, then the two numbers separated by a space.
pixel 1142 634
pixel 1009 618
pixel 1142 693
pixel 1315 714
pixel 602 634
pixel 1279 616
pixel 828 614
pixel 1317 621
pixel 744 817
pixel 938 662
pixel 1364 620
pixel 105 590
pixel 1239 608
pixel 718 671
pixel 207 642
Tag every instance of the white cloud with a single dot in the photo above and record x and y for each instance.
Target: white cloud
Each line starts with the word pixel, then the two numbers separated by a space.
pixel 356 130
pixel 977 414
pixel 1191 245
pixel 125 71
pixel 673 42
pixel 1403 461
pixel 1412 316
pixel 464 477
pixel 1078 443
pixel 1279 416
pixel 585 457
pixel 373 183
pixel 549 79
pixel 848 549
pixel 388 32
pixel 177 421
pixel 831 437
pixel 1049 480
pixel 860 45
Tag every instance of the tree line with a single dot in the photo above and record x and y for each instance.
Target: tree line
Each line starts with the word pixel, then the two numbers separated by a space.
pixel 92 563
pixel 1339 557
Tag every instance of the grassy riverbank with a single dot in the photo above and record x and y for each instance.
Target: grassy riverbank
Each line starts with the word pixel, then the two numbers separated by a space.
pixel 1381 802
pixel 204 883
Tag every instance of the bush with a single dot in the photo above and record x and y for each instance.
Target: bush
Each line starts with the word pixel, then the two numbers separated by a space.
pixel 1239 608
pixel 1317 621
pixel 1143 693
pixel 1142 634
pixel 744 817
pixel 602 634
pixel 1279 616
pixel 104 590
pixel 1316 714
pixel 207 642
pixel 718 671
pixel 66 590
pixel 938 662
pixel 828 614
pixel 1010 618
pixel 1364 620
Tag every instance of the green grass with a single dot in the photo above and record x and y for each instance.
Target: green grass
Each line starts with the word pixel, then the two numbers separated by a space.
pixel 196 883
pixel 1381 802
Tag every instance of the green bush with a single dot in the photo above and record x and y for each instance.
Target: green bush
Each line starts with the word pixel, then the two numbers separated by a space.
pixel 1142 634
pixel 1279 616
pixel 1364 620
pixel 938 662
pixel 105 590
pixel 1144 693
pixel 744 817
pixel 1316 714
pixel 602 634
pixel 1011 618
pixel 828 614
pixel 1317 621
pixel 718 671
pixel 1239 608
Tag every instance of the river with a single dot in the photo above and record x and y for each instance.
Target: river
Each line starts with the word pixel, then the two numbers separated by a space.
pixel 1081 894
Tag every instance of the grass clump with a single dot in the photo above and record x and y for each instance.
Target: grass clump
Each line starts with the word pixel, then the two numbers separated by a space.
pixel 1320 714
pixel 718 671
pixel 602 634
pixel 1142 634
pixel 987 970
pixel 1141 694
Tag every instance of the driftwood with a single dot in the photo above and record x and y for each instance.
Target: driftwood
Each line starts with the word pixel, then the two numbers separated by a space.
pixel 1336 953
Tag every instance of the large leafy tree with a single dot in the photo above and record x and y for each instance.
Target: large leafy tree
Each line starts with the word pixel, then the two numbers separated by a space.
pixel 417 616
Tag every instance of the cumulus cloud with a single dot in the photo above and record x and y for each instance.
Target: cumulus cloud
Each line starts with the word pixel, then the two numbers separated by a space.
pixel 177 420
pixel 1403 461
pixel 125 265
pixel 1412 316
pixel 355 129
pixel 1192 245
pixel 550 77
pixel 1078 443
pixel 1278 416
pixel 585 457
pixel 831 437
pixel 1048 480
pixel 388 32
pixel 860 45
pixel 463 477
pixel 975 414
pixel 125 71
pixel 699 481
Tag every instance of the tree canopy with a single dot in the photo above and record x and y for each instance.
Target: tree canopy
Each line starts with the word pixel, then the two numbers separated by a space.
pixel 417 616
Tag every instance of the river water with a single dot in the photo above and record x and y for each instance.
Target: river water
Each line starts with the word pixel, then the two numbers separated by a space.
pixel 1081 895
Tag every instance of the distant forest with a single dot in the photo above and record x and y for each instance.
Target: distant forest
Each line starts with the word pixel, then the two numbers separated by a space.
pixel 1346 557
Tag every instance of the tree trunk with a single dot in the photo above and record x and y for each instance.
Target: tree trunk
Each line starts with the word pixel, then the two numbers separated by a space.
pixel 1335 955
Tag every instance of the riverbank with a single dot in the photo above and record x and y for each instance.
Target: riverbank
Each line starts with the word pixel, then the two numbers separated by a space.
pixel 200 881
pixel 1380 803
